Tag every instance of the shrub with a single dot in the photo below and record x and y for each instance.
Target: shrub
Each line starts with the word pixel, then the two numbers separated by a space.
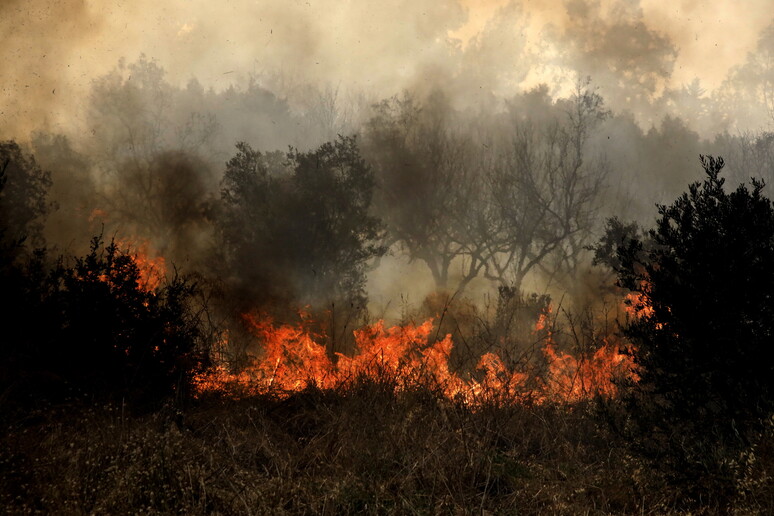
pixel 705 294
pixel 88 328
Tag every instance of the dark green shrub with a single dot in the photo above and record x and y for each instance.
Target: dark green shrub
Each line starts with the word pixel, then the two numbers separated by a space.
pixel 89 328
pixel 704 341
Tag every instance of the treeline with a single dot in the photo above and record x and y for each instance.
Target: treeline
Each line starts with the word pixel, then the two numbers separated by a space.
pixel 503 193
pixel 496 197
pixel 506 197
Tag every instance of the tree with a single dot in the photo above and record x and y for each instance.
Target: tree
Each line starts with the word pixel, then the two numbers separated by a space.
pixel 24 196
pixel 705 283
pixel 429 193
pixel 153 149
pixel 72 185
pixel 299 224
pixel 488 204
pixel 543 193
pixel 129 113
pixel 327 221
pixel 747 95
pixel 165 198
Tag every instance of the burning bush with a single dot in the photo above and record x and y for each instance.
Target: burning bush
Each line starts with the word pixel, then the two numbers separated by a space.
pixel 98 327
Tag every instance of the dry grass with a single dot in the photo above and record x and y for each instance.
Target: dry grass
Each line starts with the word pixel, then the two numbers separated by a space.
pixel 365 450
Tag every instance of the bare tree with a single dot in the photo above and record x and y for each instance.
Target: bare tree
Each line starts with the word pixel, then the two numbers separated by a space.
pixel 468 205
pixel 152 151
pixel 543 194
pixel 427 191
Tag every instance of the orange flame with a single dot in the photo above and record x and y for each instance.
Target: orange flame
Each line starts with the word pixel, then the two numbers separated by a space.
pixel 573 379
pixel 153 270
pixel 637 305
pixel 293 359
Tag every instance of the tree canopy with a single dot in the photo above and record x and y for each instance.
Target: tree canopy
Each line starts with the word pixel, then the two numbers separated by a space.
pixel 299 221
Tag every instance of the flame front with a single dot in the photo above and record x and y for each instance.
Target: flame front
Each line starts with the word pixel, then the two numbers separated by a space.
pixel 153 270
pixel 409 357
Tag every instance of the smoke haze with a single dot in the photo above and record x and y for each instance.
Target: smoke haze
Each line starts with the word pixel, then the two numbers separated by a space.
pixel 125 102
pixel 51 51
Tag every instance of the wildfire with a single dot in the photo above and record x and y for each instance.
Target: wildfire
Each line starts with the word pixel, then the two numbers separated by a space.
pixel 152 268
pixel 637 305
pixel 410 357
pixel 575 379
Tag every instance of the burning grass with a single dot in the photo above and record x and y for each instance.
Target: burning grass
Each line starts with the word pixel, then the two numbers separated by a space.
pixel 415 356
pixel 377 432
pixel 392 428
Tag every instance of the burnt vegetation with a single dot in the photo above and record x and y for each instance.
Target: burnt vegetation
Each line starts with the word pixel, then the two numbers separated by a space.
pixel 132 264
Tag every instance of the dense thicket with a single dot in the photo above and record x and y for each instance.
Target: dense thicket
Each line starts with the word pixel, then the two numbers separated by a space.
pixel 703 334
pixel 298 224
pixel 86 326
pixel 82 327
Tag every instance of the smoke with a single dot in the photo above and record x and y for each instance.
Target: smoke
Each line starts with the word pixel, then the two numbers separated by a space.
pixel 52 50
pixel 711 36
pixel 65 45
pixel 135 107
pixel 41 41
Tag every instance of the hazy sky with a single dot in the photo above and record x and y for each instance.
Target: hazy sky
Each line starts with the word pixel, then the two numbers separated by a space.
pixel 711 35
pixel 51 49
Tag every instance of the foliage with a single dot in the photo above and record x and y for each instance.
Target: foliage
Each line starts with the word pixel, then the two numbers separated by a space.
pixel 74 188
pixel 704 284
pixel 154 150
pixel 23 195
pixel 164 198
pixel 88 327
pixel 301 221
pixel 427 186
pixel 493 202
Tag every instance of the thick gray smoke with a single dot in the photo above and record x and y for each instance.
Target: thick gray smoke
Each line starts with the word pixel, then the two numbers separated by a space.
pixel 496 136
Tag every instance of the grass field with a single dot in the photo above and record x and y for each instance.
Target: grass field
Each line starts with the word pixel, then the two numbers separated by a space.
pixel 365 450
